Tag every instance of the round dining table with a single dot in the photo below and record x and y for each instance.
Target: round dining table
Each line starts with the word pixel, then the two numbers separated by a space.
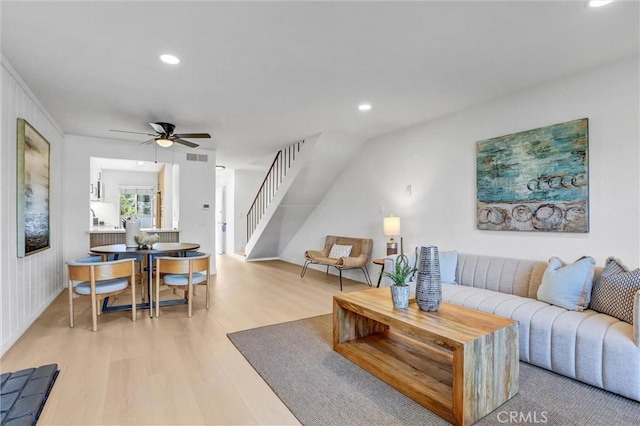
pixel 147 255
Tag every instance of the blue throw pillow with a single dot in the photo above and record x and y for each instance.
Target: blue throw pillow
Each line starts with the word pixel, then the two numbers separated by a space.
pixel 568 286
pixel 448 265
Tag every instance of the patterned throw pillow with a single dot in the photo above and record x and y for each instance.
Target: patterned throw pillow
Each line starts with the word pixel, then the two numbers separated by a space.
pixel 338 251
pixel 612 266
pixel 568 286
pixel 614 293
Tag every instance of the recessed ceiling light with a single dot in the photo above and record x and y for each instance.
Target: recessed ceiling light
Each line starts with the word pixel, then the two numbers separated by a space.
pixel 598 3
pixel 169 59
pixel 364 107
pixel 220 167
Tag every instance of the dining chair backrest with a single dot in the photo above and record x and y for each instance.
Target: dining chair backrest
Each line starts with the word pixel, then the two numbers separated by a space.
pixel 139 265
pixel 83 270
pixel 183 265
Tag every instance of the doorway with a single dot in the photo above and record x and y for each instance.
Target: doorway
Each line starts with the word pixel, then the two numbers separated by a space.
pixel 221 219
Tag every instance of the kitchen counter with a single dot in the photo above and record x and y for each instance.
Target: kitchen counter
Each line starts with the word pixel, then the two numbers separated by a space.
pixel 104 235
pixel 112 230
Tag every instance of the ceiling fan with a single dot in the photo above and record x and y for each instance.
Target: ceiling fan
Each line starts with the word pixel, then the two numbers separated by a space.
pixel 165 137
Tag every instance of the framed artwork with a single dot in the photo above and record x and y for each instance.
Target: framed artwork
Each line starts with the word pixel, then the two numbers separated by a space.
pixel 537 180
pixel 33 190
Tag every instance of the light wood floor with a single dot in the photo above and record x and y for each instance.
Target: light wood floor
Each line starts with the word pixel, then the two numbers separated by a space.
pixel 173 369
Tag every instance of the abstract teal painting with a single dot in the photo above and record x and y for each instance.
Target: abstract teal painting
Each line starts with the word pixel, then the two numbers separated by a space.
pixel 537 180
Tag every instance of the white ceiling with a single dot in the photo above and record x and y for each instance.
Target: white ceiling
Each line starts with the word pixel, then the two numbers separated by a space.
pixel 261 75
pixel 127 165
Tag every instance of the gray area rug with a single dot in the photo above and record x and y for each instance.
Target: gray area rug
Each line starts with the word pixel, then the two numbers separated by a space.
pixel 321 387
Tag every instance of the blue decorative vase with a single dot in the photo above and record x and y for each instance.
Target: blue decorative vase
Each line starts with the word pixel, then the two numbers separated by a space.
pixel 428 285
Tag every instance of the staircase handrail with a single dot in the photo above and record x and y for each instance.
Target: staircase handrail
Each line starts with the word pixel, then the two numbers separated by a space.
pixel 278 170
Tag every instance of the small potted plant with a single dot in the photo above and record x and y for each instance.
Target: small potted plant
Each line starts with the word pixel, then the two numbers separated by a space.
pixel 399 289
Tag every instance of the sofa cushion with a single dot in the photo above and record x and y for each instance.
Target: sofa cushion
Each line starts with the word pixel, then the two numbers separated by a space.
pixel 614 293
pixel 568 286
pixel 506 305
pixel 338 251
pixel 512 276
pixel 575 344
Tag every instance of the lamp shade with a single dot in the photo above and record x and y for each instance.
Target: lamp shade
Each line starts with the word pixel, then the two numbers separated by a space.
pixel 391 225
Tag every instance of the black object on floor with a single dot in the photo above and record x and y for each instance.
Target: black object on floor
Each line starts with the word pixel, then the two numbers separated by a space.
pixel 24 393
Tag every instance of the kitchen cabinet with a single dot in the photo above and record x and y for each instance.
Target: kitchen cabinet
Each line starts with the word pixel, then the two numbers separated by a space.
pixel 96 192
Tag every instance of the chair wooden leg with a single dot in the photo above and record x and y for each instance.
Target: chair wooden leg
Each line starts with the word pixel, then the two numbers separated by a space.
pixel 208 296
pixel 139 275
pixel 94 314
pixel 70 304
pixel 157 295
pixel 190 298
pixel 133 301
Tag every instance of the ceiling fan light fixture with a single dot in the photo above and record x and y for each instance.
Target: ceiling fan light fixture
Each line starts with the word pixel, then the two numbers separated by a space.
pixel 170 59
pixel 164 142
pixel 598 3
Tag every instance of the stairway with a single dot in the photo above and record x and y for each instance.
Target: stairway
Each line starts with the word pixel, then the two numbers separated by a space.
pixel 299 178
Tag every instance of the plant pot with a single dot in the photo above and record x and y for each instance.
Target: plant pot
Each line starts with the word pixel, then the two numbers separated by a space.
pixel 400 296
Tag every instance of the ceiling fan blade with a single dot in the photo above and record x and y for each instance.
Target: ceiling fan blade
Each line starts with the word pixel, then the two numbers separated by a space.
pixel 193 135
pixel 149 141
pixel 187 143
pixel 163 128
pixel 137 133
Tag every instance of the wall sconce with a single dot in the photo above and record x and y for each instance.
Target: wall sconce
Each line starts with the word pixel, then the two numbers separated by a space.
pixel 391 227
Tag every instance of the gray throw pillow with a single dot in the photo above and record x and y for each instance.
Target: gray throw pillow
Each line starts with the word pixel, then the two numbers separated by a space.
pixel 613 293
pixel 612 266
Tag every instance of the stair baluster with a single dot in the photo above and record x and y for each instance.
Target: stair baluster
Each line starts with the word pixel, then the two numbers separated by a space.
pixel 276 174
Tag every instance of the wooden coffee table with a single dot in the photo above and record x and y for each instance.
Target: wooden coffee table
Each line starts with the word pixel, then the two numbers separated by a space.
pixel 458 362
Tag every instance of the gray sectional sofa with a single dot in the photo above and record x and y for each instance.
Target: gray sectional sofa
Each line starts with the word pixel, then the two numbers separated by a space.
pixel 588 346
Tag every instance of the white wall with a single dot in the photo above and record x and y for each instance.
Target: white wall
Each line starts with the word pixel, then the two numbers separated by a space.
pixel 437 159
pixel 196 187
pixel 246 185
pixel 27 285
